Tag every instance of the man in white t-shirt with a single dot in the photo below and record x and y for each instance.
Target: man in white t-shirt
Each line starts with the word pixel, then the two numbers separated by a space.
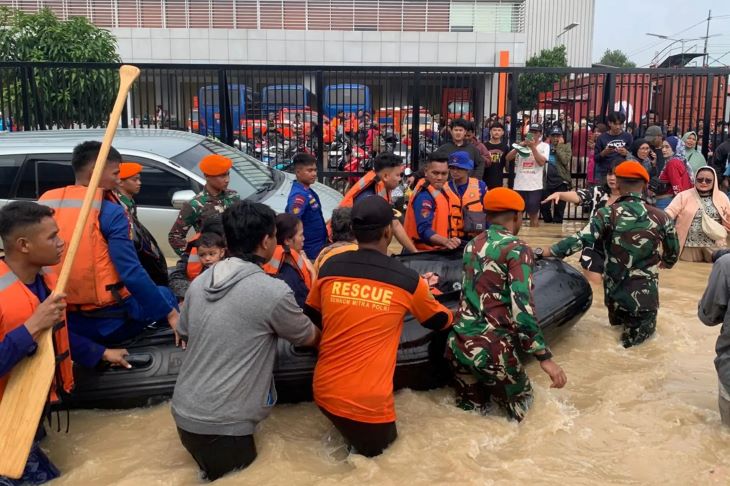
pixel 529 170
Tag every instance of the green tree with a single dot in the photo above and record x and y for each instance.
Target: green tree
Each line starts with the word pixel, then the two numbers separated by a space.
pixel 57 97
pixel 616 59
pixel 532 84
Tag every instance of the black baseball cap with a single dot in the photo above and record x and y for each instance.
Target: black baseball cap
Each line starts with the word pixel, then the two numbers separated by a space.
pixel 371 213
pixel 536 127
pixel 556 130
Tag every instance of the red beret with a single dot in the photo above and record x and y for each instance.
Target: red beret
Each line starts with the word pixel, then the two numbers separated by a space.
pixel 215 165
pixel 129 169
pixel 631 170
pixel 503 199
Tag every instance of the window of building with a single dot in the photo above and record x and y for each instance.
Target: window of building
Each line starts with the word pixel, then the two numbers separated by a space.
pixel 486 16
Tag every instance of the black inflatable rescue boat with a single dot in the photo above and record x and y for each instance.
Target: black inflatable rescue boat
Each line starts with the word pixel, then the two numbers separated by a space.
pixel 562 296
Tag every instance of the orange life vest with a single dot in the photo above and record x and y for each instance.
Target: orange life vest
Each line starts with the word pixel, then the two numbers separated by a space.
pixel 94 282
pixel 194 266
pixel 17 304
pixel 444 217
pixel 292 257
pixel 369 179
pixel 470 201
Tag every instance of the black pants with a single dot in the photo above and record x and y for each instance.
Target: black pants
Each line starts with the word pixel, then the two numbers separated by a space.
pixel 219 454
pixel 367 439
pixel 553 213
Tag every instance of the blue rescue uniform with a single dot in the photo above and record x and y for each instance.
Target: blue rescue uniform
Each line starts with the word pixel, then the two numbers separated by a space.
pixel 89 334
pixel 424 209
pixel 304 203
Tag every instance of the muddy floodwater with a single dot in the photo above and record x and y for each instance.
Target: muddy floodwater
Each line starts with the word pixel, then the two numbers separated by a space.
pixel 646 415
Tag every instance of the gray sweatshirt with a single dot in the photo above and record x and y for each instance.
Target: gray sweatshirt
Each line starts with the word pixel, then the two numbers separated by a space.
pixel 713 310
pixel 233 315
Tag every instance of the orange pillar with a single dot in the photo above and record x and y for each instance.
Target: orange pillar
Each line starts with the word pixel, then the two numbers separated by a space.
pixel 502 99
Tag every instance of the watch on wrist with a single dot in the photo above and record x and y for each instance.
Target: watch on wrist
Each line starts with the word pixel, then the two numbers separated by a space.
pixel 544 357
pixel 538 252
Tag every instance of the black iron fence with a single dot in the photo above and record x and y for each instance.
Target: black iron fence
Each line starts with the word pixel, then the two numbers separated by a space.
pixel 346 115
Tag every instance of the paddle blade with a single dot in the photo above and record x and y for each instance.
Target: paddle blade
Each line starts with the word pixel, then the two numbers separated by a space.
pixel 22 406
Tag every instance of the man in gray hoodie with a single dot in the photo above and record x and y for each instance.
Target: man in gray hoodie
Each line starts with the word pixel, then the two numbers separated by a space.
pixel 713 310
pixel 232 317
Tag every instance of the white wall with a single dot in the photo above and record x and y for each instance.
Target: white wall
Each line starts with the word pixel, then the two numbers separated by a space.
pixel 545 20
pixel 334 48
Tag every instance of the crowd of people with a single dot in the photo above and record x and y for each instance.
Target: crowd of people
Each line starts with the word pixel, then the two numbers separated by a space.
pixel 334 286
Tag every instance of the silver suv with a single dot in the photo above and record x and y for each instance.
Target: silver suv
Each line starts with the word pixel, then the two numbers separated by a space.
pixel 34 162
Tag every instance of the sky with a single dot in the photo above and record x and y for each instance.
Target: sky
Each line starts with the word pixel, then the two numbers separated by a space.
pixel 623 24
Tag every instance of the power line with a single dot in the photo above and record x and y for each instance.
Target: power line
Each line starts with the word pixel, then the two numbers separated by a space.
pixel 643 49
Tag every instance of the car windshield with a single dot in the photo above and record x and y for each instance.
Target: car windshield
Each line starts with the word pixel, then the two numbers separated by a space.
pixel 461 107
pixel 307 116
pixel 248 176
pixel 423 120
pixel 353 95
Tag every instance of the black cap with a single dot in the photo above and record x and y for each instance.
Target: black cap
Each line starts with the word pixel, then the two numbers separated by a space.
pixel 536 127
pixel 556 130
pixel 371 213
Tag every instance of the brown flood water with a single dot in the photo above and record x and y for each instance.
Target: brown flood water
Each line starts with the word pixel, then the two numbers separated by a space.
pixel 646 415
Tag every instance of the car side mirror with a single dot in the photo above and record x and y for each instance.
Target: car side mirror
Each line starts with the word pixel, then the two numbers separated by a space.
pixel 179 198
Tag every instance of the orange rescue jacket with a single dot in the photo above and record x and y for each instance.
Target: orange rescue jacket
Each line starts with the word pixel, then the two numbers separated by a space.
pixel 469 202
pixel 291 257
pixel 194 266
pixel 446 217
pixel 94 282
pixel 17 304
pixel 369 179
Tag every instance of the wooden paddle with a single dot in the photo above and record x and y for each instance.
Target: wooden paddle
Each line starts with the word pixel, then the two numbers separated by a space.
pixel 27 389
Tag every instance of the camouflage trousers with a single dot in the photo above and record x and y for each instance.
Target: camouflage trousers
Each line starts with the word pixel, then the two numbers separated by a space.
pixel 487 369
pixel 638 326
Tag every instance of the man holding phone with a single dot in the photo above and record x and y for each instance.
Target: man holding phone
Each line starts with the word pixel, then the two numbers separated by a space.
pixel 530 169
pixel 612 146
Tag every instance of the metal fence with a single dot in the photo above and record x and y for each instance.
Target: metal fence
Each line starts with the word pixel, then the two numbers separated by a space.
pixel 273 111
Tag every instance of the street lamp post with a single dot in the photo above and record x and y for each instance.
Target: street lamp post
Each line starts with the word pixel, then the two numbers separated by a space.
pixel 567 28
pixel 674 41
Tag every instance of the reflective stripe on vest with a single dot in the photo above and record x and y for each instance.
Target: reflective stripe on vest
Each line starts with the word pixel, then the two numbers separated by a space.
pixel 470 201
pixel 93 276
pixel 281 255
pixel 442 223
pixel 194 267
pixel 65 203
pixel 18 303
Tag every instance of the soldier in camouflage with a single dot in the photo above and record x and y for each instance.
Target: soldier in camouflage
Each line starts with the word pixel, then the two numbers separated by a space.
pixel 212 200
pixel 482 346
pixel 631 232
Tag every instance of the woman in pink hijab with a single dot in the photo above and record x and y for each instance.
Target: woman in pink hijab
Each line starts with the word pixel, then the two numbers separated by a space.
pixel 686 211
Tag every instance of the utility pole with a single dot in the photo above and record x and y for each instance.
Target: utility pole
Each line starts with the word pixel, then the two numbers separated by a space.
pixel 707 36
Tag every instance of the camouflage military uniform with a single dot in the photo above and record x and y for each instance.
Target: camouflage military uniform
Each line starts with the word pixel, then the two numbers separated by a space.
pixel 631 232
pixel 482 346
pixel 193 213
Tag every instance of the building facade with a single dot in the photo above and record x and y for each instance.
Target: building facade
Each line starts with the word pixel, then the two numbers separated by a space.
pixel 457 33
